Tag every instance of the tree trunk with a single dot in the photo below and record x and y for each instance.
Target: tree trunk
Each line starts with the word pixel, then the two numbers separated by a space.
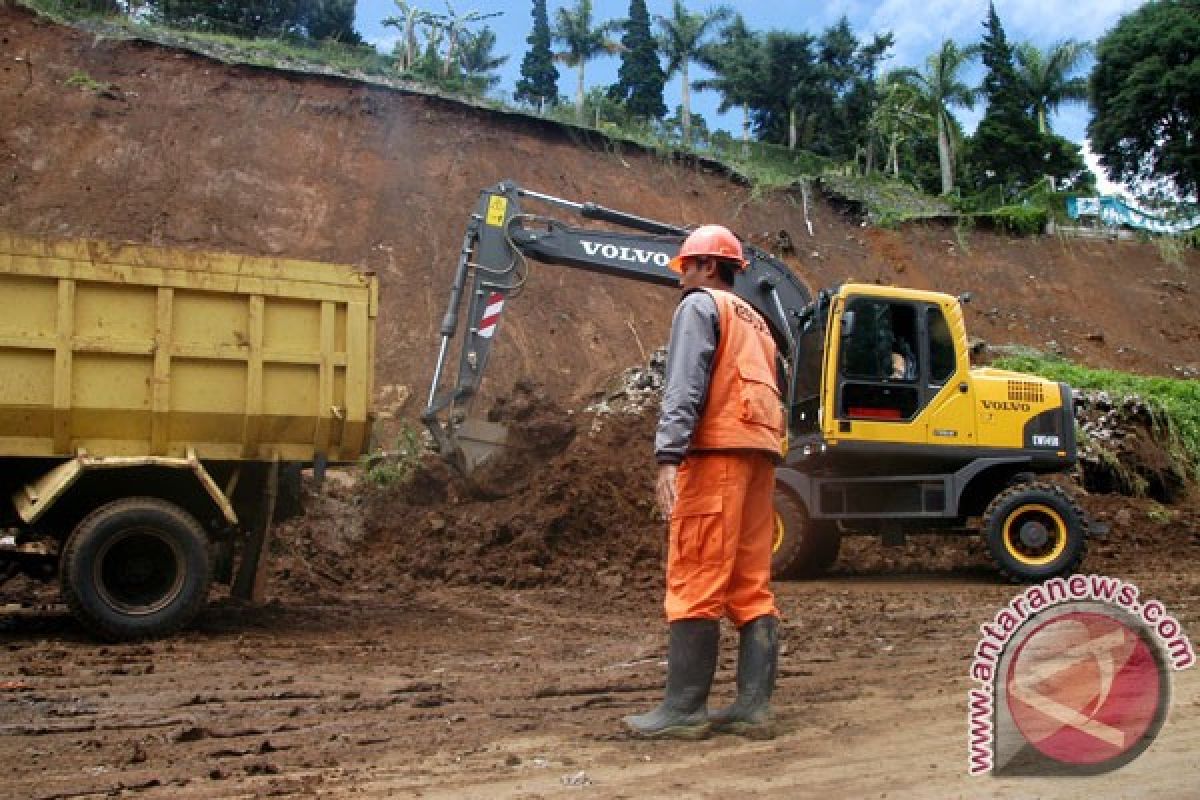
pixel 1041 112
pixel 579 95
pixel 944 162
pixel 791 129
pixel 745 130
pixel 894 155
pixel 686 100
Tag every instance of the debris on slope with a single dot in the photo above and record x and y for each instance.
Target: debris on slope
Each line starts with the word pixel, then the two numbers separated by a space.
pixel 1124 448
pixel 637 390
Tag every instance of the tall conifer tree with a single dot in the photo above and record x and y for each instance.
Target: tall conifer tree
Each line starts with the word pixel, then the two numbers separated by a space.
pixel 1006 148
pixel 641 78
pixel 538 84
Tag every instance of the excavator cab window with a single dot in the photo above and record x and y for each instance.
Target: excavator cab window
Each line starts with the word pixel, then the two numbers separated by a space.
pixel 941 347
pixel 879 366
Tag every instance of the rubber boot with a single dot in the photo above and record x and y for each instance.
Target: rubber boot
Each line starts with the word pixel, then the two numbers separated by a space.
pixel 758 658
pixel 691 663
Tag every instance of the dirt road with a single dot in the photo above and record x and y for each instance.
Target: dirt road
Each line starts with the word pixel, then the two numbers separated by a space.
pixel 499 693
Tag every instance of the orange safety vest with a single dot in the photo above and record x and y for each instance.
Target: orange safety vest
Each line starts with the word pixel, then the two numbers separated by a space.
pixel 743 410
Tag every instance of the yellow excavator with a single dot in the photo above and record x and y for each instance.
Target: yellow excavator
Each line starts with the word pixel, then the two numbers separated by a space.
pixel 890 429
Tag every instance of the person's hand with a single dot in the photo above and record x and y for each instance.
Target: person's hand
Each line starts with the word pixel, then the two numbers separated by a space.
pixel 664 490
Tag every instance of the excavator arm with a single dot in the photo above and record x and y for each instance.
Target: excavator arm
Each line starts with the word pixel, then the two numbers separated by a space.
pixel 493 266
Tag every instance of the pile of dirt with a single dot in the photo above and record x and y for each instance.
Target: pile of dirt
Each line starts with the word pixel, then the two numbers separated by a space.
pixel 569 504
pixel 1126 449
pixel 1143 534
pixel 321 555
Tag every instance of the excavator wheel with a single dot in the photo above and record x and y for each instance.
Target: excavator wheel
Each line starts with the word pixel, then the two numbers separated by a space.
pixel 802 548
pixel 1035 531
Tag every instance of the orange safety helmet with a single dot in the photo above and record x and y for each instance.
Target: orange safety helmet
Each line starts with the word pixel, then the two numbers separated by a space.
pixel 709 240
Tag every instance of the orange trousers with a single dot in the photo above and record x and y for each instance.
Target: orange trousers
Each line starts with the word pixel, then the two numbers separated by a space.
pixel 719 554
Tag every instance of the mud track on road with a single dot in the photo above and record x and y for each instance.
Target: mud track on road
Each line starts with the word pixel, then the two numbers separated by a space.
pixel 479 691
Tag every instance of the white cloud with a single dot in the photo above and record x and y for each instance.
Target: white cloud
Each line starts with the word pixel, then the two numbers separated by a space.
pixel 920 27
pixel 1047 21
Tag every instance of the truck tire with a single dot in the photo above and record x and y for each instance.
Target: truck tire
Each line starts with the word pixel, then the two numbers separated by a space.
pixel 136 568
pixel 1035 531
pixel 802 548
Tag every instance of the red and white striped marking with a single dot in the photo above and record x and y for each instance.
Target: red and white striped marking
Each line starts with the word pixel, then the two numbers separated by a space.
pixel 491 315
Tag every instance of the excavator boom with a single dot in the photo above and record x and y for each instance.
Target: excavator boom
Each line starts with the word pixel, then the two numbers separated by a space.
pixel 493 265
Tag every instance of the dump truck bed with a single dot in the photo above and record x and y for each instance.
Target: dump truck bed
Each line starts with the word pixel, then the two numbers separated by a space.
pixel 126 350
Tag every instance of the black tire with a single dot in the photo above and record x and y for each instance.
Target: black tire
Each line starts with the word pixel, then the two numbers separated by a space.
pixel 802 548
pixel 1035 531
pixel 136 568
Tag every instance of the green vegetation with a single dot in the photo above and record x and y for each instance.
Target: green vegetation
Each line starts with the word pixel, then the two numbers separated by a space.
pixel 538 84
pixel 583 41
pixel 769 166
pixel 641 78
pixel 1006 149
pixel 1145 89
pixel 396 465
pixel 87 83
pixel 885 201
pixel 1177 400
pixel 1021 220
pixel 1160 515
pixel 1171 248
pixel 684 34
pixel 279 53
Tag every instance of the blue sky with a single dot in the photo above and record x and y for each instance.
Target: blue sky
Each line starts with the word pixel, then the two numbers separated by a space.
pixel 918 26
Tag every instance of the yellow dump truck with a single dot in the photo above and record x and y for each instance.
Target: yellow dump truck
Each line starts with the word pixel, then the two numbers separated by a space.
pixel 148 397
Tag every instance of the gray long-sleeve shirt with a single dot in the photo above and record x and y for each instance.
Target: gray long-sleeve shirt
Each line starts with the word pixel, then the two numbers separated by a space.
pixel 695 333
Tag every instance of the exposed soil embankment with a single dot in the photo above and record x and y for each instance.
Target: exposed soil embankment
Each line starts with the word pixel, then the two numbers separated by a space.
pixel 179 149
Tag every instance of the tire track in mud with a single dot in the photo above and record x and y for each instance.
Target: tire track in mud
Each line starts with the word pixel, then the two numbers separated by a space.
pixel 489 692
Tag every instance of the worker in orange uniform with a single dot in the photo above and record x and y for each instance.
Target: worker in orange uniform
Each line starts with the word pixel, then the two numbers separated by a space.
pixel 717 444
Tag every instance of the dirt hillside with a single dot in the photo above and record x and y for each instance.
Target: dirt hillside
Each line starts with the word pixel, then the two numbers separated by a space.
pixel 167 147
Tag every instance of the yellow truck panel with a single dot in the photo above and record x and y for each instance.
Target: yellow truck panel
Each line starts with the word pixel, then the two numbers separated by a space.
pixel 123 350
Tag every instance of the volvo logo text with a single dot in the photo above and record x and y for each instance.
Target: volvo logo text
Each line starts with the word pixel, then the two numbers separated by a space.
pixel 1000 405
pixel 634 255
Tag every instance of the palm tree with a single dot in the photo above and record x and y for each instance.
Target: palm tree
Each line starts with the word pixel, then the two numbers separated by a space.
pixel 410 17
pixel 736 61
pixel 897 117
pixel 455 25
pixel 1044 77
pixel 941 88
pixel 682 40
pixel 573 28
pixel 477 60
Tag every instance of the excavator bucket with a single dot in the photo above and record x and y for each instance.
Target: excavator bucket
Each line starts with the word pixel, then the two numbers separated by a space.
pixel 478 441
